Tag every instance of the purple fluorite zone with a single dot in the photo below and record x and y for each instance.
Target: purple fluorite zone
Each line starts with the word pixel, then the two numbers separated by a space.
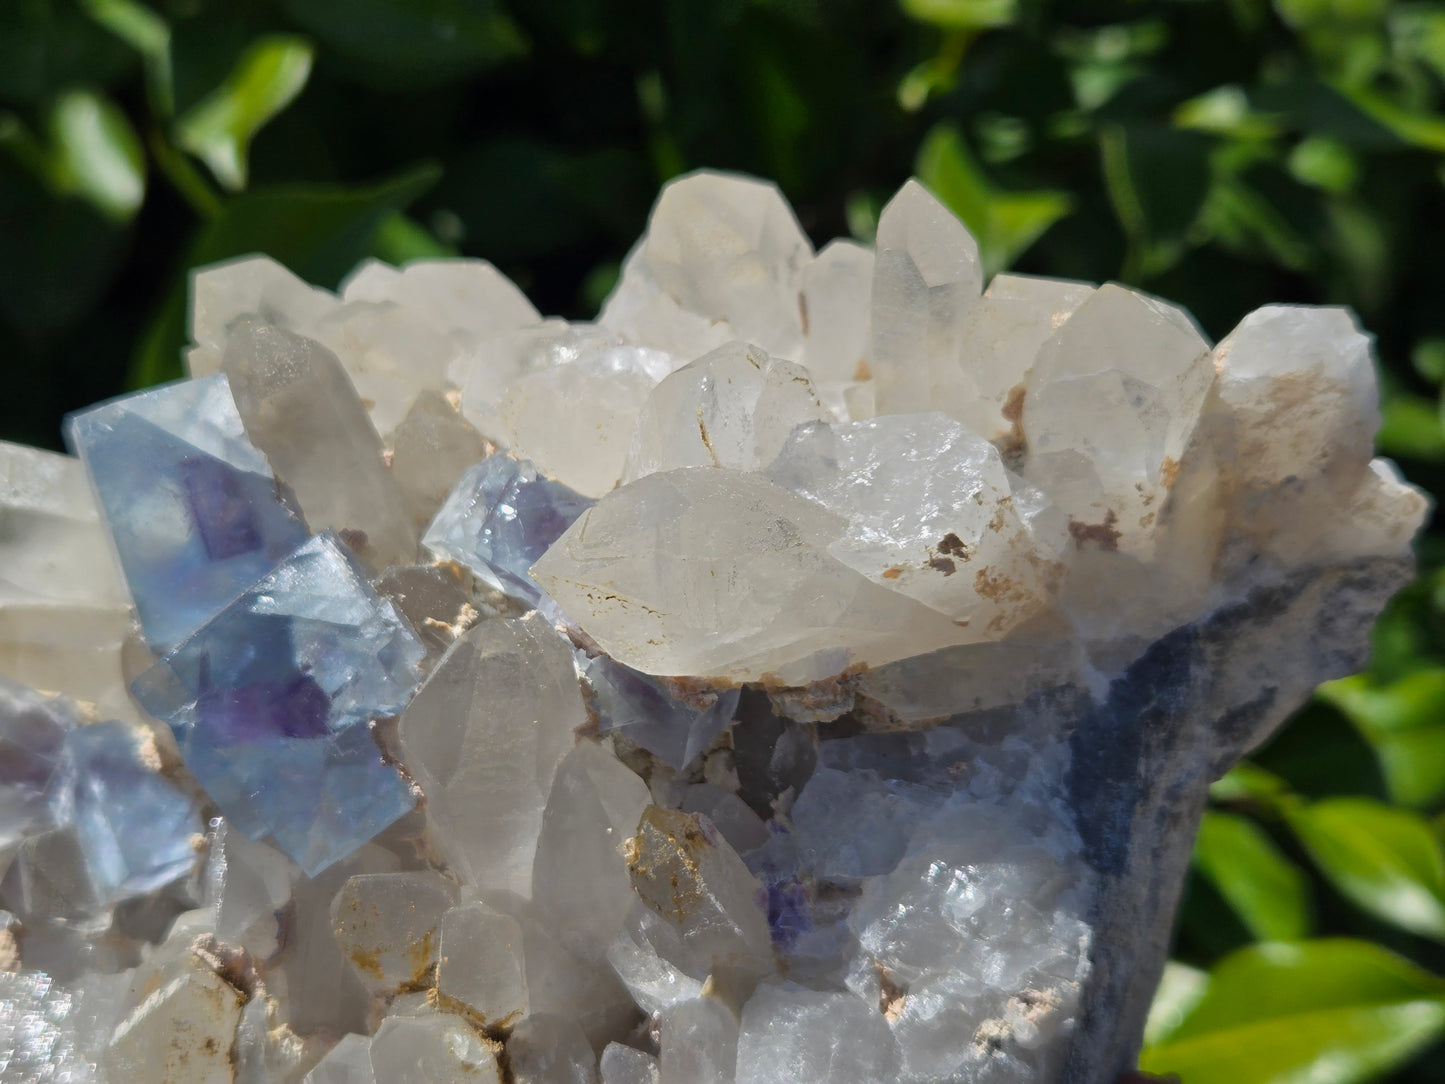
pixel 295 707
pixel 220 508
pixel 786 903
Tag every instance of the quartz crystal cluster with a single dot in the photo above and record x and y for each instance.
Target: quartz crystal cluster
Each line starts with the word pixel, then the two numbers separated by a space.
pixel 809 671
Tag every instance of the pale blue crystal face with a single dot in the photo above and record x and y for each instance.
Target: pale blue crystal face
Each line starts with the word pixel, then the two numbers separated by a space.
pixel 499 519
pixel 191 503
pixel 136 830
pixel 643 710
pixel 34 768
pixel 271 701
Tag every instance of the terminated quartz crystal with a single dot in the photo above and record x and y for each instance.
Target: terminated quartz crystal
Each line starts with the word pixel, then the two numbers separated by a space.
pixel 810 671
pixel 301 410
pixel 926 278
pixel 484 736
pixel 387 925
pixel 483 964
pixel 271 699
pixel 732 408
pixel 431 1046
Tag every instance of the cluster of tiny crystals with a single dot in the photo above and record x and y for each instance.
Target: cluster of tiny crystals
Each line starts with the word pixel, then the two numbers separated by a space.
pixel 425 690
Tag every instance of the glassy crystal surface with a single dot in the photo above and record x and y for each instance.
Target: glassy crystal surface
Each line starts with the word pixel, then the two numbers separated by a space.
pixel 933 514
pixel 719 573
pixel 64 608
pixel 387 926
pixel 889 628
pixel 348 1062
pixel 431 1046
pixel 430 449
pixel 137 830
pixel 191 504
pixel 499 518
pixel 724 247
pixel 300 408
pixel 181 1032
pixel 731 408
pixel 626 1065
pixel 585 446
pixel 1111 403
pixel 35 768
pixel 251 285
pixel 483 736
pixel 471 298
pixel 836 297
pixel 643 710
pixel 926 278
pixel 482 963
pixel 85 816
pixel 270 703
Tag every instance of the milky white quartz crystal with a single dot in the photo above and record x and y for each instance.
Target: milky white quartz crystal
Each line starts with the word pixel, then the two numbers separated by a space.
pixel 808 672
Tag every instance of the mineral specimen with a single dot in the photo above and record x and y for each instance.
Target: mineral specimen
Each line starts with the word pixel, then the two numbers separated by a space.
pixel 808 672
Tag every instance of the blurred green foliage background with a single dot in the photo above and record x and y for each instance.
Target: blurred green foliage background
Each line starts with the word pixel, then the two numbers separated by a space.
pixel 1221 153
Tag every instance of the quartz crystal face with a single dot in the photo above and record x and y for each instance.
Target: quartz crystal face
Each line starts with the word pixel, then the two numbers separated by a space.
pixel 809 671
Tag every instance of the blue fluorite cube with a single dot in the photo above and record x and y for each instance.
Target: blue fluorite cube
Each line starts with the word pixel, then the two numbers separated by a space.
pixel 191 503
pixel 271 703
pixel 499 518
pixel 34 767
pixel 131 828
pixel 136 829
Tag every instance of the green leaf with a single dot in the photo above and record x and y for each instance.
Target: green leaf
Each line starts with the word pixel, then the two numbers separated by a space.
pixel 98 154
pixel 1418 31
pixel 1305 13
pixel 937 75
pixel 1267 891
pixel 1324 163
pixel 1423 130
pixel 1428 358
pixel 219 129
pixel 1004 223
pixel 1387 861
pixel 1181 987
pixel 400 240
pixel 1404 721
pixel 58 255
pixel 1313 1012
pixel 319 231
pixel 963 14
pixel 1246 781
pixel 1225 111
pixel 412 42
pixel 47 45
pixel 149 35
pixel 556 197
pixel 1410 426
pixel 1157 179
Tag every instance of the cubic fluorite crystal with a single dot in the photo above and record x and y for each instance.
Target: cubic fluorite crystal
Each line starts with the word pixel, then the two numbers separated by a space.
pixel 807 672
pixel 191 504
pixel 270 702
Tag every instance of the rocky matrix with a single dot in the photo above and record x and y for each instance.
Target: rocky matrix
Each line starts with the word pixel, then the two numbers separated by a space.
pixel 809 671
